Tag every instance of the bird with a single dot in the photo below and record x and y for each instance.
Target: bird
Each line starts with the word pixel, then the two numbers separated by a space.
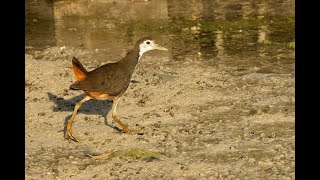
pixel 109 81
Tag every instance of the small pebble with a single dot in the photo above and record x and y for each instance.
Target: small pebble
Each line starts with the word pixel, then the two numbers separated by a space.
pixel 41 114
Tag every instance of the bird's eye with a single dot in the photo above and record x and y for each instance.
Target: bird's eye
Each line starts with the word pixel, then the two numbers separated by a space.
pixel 148 42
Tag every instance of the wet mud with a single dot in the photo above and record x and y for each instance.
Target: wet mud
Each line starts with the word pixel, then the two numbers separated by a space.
pixel 199 122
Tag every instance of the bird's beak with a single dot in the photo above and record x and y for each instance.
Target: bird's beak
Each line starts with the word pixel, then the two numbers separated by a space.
pixel 157 46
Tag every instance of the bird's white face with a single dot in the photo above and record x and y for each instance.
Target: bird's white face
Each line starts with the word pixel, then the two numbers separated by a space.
pixel 149 45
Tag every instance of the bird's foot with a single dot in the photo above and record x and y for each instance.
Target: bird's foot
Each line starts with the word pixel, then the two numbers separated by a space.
pixel 126 130
pixel 69 133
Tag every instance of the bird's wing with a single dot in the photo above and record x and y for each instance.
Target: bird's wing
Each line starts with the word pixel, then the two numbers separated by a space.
pixel 109 78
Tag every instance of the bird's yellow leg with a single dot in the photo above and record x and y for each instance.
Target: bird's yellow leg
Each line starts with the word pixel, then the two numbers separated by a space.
pixel 125 129
pixel 68 126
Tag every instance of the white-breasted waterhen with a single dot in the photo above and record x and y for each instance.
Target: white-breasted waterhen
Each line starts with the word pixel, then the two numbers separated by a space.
pixel 108 81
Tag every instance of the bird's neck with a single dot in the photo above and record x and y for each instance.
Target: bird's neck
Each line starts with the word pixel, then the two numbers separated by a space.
pixel 131 59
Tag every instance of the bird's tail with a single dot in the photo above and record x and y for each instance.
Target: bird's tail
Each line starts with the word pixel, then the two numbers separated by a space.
pixel 78 69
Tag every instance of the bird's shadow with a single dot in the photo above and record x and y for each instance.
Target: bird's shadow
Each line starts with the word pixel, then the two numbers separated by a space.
pixel 101 107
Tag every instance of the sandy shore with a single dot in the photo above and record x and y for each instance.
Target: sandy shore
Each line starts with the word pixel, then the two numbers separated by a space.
pixel 199 122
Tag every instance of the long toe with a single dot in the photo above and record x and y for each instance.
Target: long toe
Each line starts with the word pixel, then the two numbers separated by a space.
pixel 132 131
pixel 73 136
pixel 69 134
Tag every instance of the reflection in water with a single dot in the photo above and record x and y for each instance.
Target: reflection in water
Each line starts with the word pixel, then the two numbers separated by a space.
pixel 207 30
pixel 39 22
pixel 262 34
pixel 219 43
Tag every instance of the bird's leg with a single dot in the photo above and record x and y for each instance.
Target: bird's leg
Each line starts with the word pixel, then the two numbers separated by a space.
pixel 125 129
pixel 69 125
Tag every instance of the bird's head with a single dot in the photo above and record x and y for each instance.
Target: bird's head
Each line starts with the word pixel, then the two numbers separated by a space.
pixel 147 44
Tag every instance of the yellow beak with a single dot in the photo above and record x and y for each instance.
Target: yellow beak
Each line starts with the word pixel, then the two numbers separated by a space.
pixel 157 46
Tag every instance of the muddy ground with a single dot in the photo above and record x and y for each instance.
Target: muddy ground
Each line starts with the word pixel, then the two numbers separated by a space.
pixel 199 122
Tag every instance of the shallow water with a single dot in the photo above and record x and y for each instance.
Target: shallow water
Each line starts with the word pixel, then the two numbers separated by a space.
pixel 252 35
